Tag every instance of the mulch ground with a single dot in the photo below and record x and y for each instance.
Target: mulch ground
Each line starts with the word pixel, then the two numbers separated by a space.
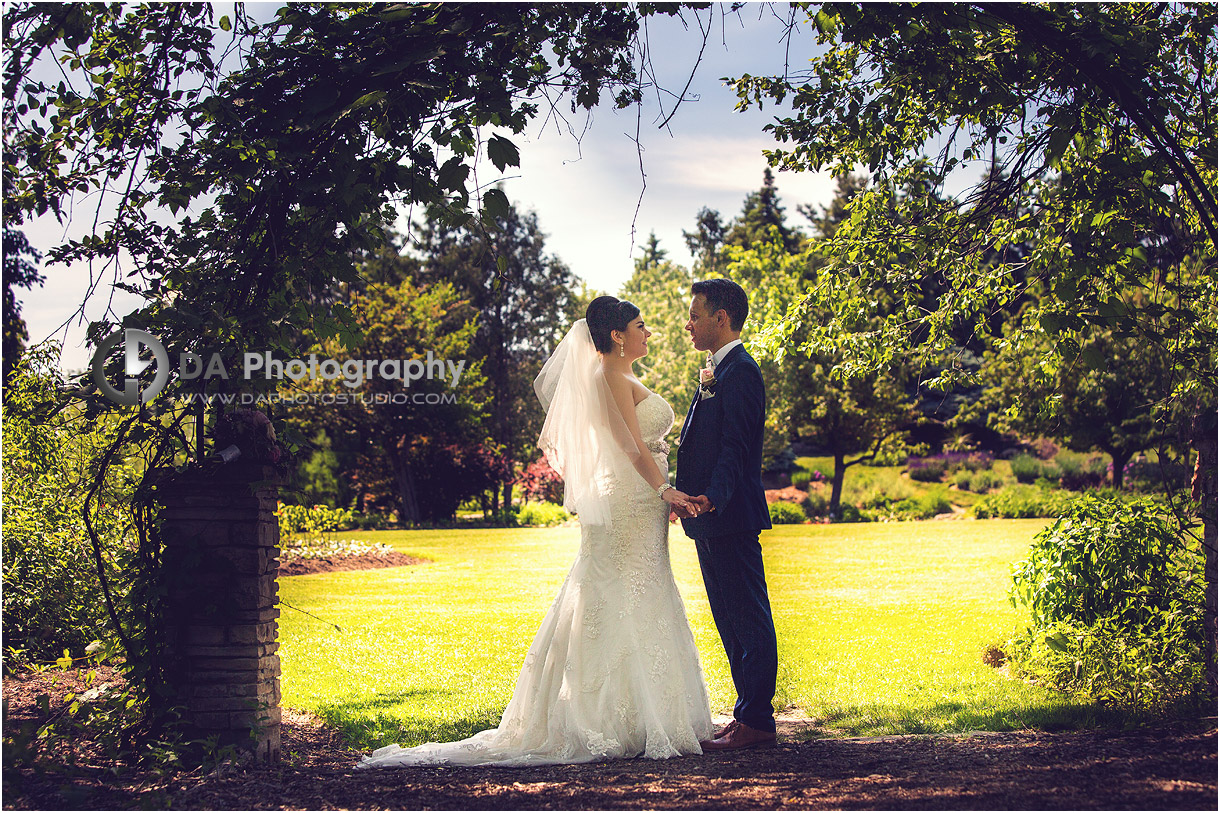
pixel 1172 767
pixel 1167 768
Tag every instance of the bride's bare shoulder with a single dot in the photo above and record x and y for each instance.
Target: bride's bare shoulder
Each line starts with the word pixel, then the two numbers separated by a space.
pixel 622 384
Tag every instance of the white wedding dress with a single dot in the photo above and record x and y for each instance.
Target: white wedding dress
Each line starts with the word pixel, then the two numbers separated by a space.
pixel 613 671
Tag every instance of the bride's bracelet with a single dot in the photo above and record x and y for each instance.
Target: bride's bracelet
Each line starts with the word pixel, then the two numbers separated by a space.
pixel 661 489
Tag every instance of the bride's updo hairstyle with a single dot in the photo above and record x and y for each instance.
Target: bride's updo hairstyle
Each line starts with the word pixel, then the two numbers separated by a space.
pixel 607 313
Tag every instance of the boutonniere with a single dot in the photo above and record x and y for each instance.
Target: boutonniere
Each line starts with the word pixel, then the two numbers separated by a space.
pixel 707 383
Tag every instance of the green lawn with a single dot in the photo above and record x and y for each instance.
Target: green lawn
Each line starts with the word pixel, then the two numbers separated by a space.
pixel 881 629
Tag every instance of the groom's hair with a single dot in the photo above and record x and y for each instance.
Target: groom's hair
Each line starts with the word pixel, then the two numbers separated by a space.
pixel 724 293
pixel 607 313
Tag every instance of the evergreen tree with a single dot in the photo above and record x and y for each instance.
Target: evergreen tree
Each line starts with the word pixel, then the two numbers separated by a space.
pixel 524 300
pixel 706 241
pixel 760 213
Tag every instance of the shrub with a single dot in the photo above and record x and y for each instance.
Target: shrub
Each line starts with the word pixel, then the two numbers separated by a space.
pixel 815 505
pixel 785 513
pixel 1045 449
pixel 924 506
pixel 850 513
pixel 963 480
pixel 1106 663
pixel 801 479
pixel 370 522
pixel 311 524
pixel 1021 502
pixel 969 461
pixel 984 481
pixel 541 483
pixel 876 499
pixel 927 470
pixel 51 591
pixel 1116 605
pixel 542 513
pixel 1027 469
pixel 1078 476
pixel 1148 475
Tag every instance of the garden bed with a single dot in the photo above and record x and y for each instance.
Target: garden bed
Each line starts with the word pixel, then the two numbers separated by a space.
pixel 362 561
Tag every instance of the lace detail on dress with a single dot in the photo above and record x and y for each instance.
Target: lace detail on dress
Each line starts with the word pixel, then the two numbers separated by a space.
pixel 613 670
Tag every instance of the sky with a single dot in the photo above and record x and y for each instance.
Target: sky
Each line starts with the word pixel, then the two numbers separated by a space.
pixel 584 191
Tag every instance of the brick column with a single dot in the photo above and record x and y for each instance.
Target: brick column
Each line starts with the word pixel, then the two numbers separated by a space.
pixel 219 568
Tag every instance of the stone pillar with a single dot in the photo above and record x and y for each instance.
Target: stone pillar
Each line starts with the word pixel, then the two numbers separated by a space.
pixel 219 568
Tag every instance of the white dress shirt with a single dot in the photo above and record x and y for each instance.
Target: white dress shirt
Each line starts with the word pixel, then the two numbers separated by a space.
pixel 719 355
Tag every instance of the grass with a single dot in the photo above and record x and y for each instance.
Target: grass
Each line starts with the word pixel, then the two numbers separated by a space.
pixel 881 628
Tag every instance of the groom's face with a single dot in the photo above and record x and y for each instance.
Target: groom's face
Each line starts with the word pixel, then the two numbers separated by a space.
pixel 703 327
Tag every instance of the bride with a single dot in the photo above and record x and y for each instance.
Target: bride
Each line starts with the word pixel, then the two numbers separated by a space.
pixel 613 671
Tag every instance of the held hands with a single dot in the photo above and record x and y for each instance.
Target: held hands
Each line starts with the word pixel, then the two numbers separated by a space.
pixel 679 502
pixel 692 507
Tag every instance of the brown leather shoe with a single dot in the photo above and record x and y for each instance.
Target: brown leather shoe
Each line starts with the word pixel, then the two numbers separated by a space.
pixel 740 736
pixel 725 729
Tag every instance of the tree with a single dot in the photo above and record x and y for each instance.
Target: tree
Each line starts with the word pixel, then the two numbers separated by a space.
pixel 705 241
pixel 1091 114
pixel 282 153
pixel 19 272
pixel 761 213
pixel 414 439
pixel 522 296
pixel 653 253
pixel 852 418
pixel 661 290
pixel 1108 407
pixel 290 164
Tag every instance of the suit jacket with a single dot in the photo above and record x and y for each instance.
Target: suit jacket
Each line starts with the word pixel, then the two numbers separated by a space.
pixel 720 451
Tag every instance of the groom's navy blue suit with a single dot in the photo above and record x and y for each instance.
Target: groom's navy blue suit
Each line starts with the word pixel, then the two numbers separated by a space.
pixel 720 456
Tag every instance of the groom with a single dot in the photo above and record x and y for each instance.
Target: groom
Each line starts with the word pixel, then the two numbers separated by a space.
pixel 720 459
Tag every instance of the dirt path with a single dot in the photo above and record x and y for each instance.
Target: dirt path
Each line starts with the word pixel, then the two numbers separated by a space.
pixel 1169 768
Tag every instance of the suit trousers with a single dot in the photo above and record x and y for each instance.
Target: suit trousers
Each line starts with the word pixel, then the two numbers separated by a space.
pixel 732 568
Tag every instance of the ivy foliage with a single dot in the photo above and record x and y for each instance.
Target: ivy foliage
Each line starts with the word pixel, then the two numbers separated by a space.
pixel 284 153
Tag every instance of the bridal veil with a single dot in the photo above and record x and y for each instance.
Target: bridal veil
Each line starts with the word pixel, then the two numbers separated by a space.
pixel 584 437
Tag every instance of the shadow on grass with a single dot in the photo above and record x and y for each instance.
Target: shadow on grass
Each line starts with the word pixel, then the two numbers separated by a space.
pixel 873 720
pixel 365 722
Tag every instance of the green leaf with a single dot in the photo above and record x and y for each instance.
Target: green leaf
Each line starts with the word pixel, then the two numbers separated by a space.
pixel 1057 145
pixel 225 24
pixel 1059 642
pixel 503 153
pixel 452 174
pixel 1093 358
pixel 495 204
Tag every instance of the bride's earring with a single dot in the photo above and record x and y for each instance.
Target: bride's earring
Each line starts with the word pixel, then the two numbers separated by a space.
pixel 621 351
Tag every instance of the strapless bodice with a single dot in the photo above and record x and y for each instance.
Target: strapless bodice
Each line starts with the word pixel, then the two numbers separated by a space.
pixel 656 418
